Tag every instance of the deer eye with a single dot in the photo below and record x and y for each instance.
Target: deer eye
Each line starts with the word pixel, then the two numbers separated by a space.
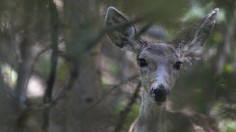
pixel 177 65
pixel 142 62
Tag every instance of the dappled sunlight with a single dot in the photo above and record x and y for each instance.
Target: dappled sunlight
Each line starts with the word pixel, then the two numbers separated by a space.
pixel 35 88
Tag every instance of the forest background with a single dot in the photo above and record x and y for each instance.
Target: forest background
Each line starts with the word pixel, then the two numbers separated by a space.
pixel 60 72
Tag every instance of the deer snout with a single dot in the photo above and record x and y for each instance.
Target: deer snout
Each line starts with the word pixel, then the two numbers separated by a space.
pixel 159 93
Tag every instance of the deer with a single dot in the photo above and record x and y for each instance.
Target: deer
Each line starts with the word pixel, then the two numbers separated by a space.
pixel 159 62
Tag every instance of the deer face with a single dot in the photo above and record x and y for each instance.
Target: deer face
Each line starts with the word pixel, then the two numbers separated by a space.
pixel 159 62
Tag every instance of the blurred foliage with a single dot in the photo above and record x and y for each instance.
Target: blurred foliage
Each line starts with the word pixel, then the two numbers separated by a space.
pixel 228 126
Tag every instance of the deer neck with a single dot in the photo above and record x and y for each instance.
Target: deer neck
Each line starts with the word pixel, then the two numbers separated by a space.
pixel 150 116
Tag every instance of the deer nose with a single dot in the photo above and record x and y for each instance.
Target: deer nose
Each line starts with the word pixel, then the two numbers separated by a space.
pixel 159 93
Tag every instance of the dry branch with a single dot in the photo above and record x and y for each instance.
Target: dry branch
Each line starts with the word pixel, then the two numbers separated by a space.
pixel 54 24
pixel 125 112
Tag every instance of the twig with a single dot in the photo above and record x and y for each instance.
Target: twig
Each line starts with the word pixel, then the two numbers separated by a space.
pixel 114 87
pixel 74 72
pixel 143 30
pixel 118 26
pixel 39 54
pixel 69 84
pixel 54 24
pixel 125 112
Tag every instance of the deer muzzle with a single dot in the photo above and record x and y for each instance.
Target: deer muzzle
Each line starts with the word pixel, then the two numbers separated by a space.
pixel 159 94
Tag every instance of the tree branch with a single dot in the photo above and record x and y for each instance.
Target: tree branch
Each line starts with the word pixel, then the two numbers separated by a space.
pixel 114 87
pixel 54 24
pixel 125 112
pixel 24 71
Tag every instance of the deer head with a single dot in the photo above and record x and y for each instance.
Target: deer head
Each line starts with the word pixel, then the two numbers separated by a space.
pixel 159 62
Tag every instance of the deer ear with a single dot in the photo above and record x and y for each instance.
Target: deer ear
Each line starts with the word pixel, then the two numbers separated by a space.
pixel 121 33
pixel 190 41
